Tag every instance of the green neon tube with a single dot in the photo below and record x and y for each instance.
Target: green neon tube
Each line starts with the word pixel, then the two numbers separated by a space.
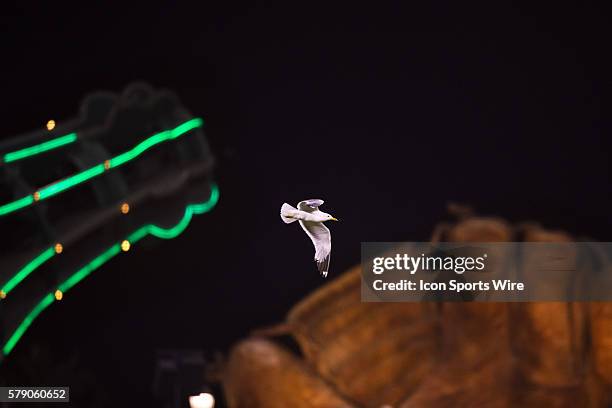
pixel 40 148
pixel 109 253
pixel 27 269
pixel 89 268
pixel 16 205
pixel 42 305
pixel 71 181
pixel 78 178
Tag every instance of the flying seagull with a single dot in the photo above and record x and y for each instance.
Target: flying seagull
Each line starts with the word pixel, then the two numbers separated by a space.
pixel 311 220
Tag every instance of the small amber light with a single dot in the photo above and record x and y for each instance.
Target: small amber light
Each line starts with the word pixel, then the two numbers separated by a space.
pixel 125 245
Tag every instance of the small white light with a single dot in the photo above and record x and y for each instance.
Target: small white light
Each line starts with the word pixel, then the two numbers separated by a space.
pixel 204 400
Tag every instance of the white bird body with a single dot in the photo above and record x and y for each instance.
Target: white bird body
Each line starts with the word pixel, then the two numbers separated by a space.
pixel 311 220
pixel 297 215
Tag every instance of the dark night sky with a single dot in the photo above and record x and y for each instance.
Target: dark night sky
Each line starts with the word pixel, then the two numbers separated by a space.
pixel 501 108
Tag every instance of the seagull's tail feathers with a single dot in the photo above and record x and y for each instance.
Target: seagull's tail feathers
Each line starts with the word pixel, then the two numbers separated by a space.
pixel 287 211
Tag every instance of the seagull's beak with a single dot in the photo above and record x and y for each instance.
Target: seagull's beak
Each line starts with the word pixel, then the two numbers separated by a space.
pixel 334 219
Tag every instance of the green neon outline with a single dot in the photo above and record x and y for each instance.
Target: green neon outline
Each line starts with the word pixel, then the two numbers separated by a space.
pixel 84 176
pixel 39 148
pixel 78 178
pixel 16 205
pixel 27 269
pixel 21 329
pixel 108 254
pixel 89 268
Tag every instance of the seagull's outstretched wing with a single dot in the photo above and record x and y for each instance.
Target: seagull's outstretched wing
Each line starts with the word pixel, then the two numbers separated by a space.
pixel 321 238
pixel 310 205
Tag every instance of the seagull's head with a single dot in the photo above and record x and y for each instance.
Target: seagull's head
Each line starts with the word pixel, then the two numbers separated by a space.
pixel 328 217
